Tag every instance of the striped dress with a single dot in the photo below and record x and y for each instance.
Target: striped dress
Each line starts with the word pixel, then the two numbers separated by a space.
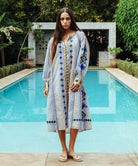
pixel 67 109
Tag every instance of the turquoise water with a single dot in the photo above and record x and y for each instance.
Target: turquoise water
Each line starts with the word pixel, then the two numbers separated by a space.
pixel 113 107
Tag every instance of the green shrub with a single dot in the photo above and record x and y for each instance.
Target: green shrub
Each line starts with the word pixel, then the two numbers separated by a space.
pixel 18 66
pixel 7 70
pixel 119 63
pixel 135 69
pixel 122 65
pixel 15 68
pixel 4 71
pixel 23 65
pixel 128 67
pixel 1 72
pixel 10 69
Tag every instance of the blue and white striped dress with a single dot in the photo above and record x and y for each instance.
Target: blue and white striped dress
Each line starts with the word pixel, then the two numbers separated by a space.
pixel 67 109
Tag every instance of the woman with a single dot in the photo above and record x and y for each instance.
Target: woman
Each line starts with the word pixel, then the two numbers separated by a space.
pixel 66 63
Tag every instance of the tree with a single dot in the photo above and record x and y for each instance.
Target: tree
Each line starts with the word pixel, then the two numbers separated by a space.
pixel 6 31
pixel 126 17
pixel 23 12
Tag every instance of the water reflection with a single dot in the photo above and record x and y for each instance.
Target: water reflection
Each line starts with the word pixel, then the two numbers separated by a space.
pixel 109 99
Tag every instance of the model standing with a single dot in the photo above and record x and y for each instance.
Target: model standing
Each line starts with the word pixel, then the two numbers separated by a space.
pixel 66 64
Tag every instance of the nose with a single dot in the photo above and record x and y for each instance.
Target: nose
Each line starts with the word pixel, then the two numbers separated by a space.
pixel 65 20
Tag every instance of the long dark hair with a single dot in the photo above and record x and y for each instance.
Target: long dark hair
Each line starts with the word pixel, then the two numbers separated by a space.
pixel 59 31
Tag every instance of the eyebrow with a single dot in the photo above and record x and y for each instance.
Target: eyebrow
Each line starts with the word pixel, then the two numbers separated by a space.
pixel 65 17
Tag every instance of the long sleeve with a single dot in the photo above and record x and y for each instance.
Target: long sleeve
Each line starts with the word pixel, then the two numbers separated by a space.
pixel 47 64
pixel 83 58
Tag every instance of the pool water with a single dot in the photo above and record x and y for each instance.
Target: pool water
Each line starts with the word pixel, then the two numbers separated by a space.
pixel 113 108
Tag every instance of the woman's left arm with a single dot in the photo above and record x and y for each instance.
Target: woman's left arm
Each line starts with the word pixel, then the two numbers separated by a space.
pixel 83 59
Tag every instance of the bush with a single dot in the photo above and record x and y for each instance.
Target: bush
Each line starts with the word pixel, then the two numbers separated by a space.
pixel 121 65
pixel 19 66
pixel 1 72
pixel 7 70
pixel 135 69
pixel 4 71
pixel 128 67
pixel 24 65
pixel 10 69
pixel 15 68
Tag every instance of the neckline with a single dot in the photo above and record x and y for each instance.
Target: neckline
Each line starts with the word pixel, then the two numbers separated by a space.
pixel 69 36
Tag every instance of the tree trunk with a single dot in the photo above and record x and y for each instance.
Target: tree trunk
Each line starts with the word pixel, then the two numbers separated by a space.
pixel 18 58
pixel 2 52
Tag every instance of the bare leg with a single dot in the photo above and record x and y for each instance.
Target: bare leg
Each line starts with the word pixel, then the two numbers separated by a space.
pixel 73 135
pixel 62 137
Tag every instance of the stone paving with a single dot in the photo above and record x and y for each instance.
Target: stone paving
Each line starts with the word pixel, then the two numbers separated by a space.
pixel 51 159
pixel 14 77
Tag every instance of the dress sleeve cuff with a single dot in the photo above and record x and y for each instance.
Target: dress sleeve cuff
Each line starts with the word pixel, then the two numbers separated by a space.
pixel 46 86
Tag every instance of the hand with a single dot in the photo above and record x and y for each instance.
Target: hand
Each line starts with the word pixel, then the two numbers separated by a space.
pixel 74 87
pixel 46 93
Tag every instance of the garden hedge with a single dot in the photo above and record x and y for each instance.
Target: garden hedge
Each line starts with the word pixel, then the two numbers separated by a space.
pixel 10 69
pixel 128 67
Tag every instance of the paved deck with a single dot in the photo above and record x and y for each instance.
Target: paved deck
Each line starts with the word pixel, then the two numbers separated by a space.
pixel 14 77
pixel 51 159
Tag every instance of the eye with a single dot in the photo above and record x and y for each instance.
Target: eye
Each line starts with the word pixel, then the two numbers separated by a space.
pixel 68 18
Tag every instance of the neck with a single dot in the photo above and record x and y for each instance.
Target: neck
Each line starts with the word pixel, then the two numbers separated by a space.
pixel 67 31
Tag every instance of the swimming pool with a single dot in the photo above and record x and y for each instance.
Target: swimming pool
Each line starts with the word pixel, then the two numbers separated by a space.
pixel 113 108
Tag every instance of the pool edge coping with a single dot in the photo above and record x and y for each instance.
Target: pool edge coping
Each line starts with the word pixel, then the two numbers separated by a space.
pixel 8 80
pixel 127 79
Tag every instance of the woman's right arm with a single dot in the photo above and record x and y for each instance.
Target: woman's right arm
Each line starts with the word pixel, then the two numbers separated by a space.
pixel 46 69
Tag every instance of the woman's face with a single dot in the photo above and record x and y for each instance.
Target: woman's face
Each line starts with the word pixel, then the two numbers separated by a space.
pixel 65 20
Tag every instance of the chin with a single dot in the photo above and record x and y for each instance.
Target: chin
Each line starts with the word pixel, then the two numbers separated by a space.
pixel 66 28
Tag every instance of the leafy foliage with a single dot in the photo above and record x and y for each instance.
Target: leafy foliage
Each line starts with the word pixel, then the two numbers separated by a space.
pixel 23 13
pixel 26 50
pixel 135 53
pixel 114 51
pixel 4 45
pixel 126 17
pixel 87 11
pixel 6 31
